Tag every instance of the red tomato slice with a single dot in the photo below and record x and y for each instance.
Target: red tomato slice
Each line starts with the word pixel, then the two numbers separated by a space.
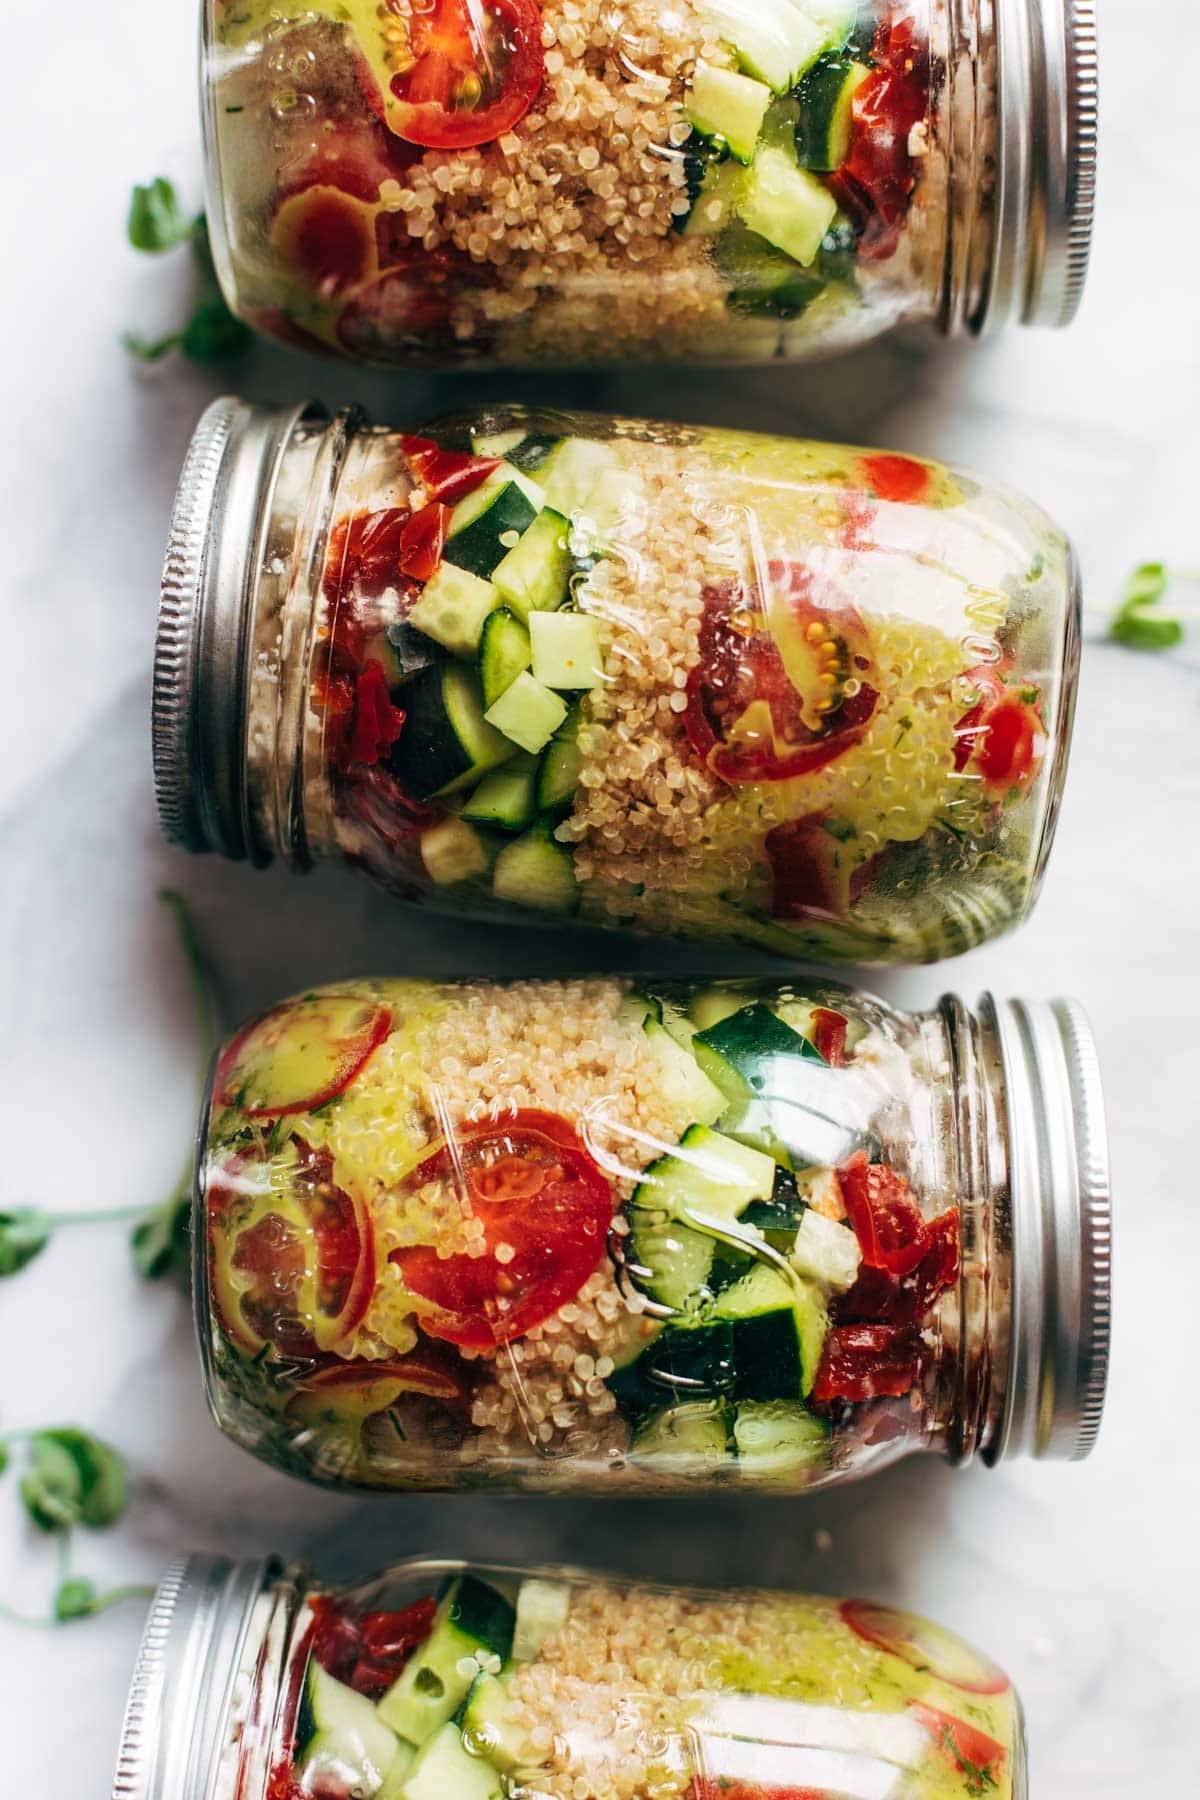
pixel 422 539
pixel 811 875
pixel 888 1223
pixel 359 1388
pixel 478 67
pixel 720 1787
pixel 447 475
pixel 868 1362
pixel 1002 736
pixel 292 1260
pixel 745 716
pixel 546 1208
pixel 896 478
pixel 876 181
pixel 971 1751
pixel 300 1055
pixel 829 1035
pixel 924 1646
pixel 328 237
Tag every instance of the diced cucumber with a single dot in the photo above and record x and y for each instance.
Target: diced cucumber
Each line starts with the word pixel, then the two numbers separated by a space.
pixel 452 609
pixel 826 1252
pixel 504 650
pixel 487 1724
pixel 706 1175
pixel 708 1006
pixel 533 575
pixel 525 450
pixel 788 206
pixel 573 470
pixel 778 1218
pixel 682 1082
pixel 566 649
pixel 486 524
pixel 779 1329
pixel 339 1733
pixel 692 1439
pixel 780 1438
pixel 396 1773
pixel 543 1608
pixel 505 798
pixel 750 1053
pixel 826 100
pixel 446 743
pixel 836 18
pixel 793 1131
pixel 728 107
pixel 453 852
pixel 472 1617
pixel 692 1364
pixel 445 1770
pixel 716 199
pixel 558 771
pixel 536 871
pixel 527 712
pixel 773 40
pixel 762 280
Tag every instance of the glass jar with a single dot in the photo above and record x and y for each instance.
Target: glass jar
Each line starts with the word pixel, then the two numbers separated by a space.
pixel 696 682
pixel 574 181
pixel 436 1680
pixel 593 1236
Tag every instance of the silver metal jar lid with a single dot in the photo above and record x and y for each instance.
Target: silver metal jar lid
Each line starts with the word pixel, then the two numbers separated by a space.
pixel 1060 1199
pixel 201 658
pixel 182 1691
pixel 1047 107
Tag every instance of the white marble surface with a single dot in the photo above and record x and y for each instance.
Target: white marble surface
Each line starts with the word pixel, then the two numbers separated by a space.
pixel 1082 1579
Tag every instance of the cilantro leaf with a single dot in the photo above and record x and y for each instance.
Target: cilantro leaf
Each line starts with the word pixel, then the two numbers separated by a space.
pixel 24 1234
pixel 1135 624
pixel 156 221
pixel 73 1478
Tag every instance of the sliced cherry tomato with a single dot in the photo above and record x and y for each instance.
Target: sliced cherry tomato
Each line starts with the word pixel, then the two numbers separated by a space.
pixel 811 873
pixel 720 1787
pixel 446 475
pixel 406 309
pixel 477 68
pixel 1011 741
pixel 888 1223
pixel 988 682
pixel 377 723
pixel 546 1208
pixel 357 1389
pixel 897 478
pixel 867 1362
pixel 292 1256
pixel 300 1055
pixel 422 539
pixel 778 694
pixel 876 181
pixel 829 1035
pixel 926 1647
pixel 971 1751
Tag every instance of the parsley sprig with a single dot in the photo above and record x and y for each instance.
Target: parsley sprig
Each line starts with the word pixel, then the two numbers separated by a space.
pixel 159 1239
pixel 157 223
pixel 1139 621
pixel 70 1479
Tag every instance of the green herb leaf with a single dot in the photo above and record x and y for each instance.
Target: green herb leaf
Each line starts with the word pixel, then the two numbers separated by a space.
pixel 156 222
pixel 212 334
pixel 161 1242
pixel 74 1479
pixel 150 350
pixel 24 1234
pixel 75 1599
pixel 1135 624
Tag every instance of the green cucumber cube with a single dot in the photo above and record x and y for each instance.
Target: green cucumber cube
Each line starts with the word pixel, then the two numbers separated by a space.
pixel 533 575
pixel 453 852
pixel 452 608
pixel 730 107
pixel 787 206
pixel 527 712
pixel 566 649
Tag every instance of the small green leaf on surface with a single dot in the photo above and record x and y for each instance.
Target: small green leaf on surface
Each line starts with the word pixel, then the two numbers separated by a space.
pixel 212 334
pixel 156 221
pixel 161 1241
pixel 73 1478
pixel 75 1599
pixel 1135 623
pixel 24 1234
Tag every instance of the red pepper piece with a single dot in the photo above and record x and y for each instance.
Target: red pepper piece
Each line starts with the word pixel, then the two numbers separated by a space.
pixel 897 478
pixel 377 723
pixel 446 475
pixel 392 1636
pixel 866 1362
pixel 878 1297
pixel 422 539
pixel 829 1035
pixel 887 1221
pixel 364 552
pixel 336 1640
pixel 876 181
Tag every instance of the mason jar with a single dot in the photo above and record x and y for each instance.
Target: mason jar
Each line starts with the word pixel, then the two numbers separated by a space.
pixel 442 182
pixel 440 1680
pixel 690 682
pixel 601 1236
